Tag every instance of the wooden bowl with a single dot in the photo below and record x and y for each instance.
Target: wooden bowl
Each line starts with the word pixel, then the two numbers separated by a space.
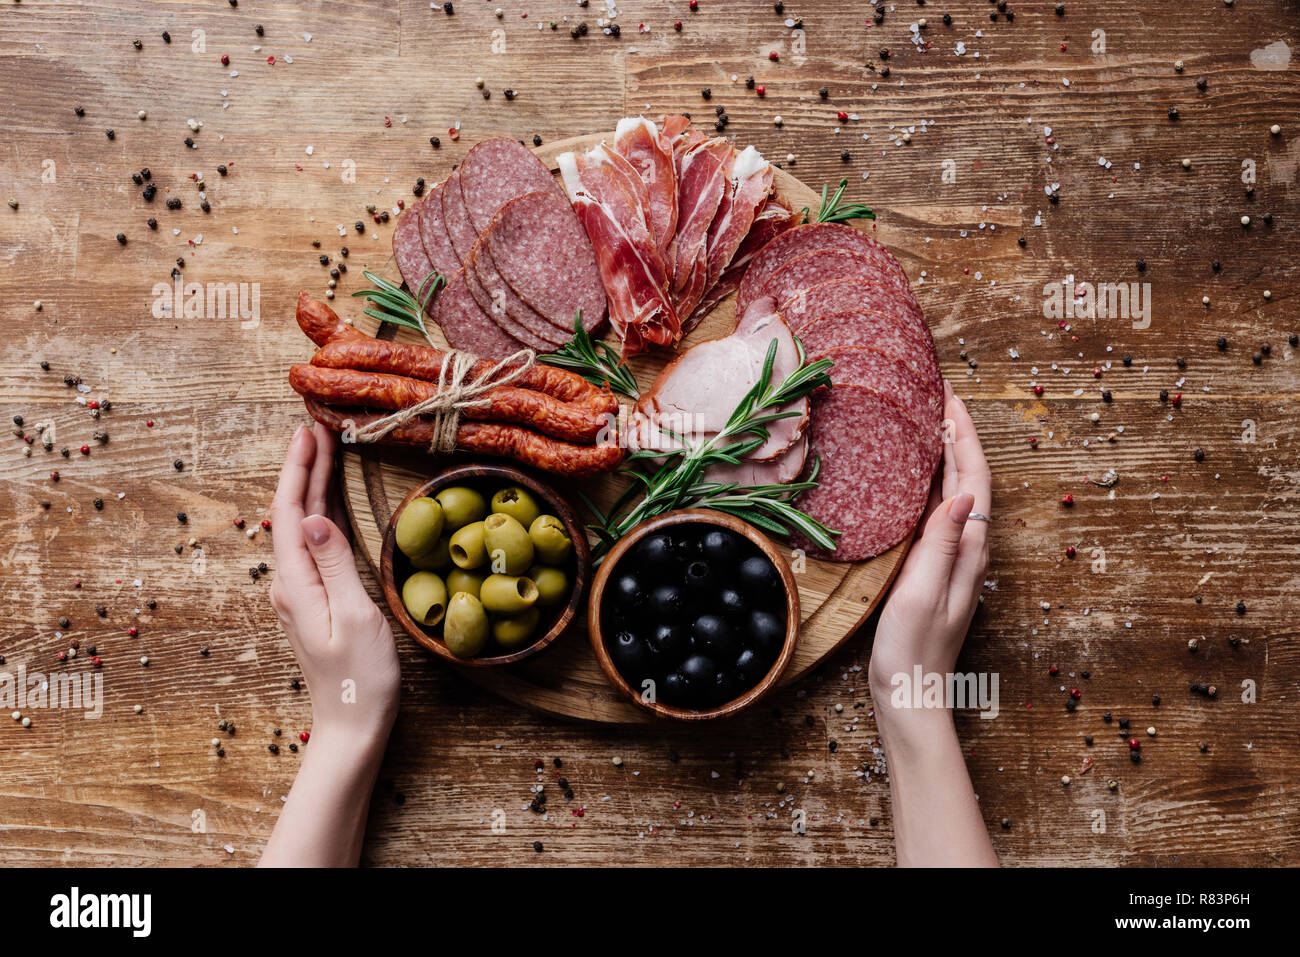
pixel 552 504
pixel 705 517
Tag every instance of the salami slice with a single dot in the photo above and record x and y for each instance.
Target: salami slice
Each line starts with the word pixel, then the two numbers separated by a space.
pixel 455 218
pixel 810 238
pixel 437 244
pixel 466 326
pixel 541 250
pixel 801 273
pixel 408 250
pixel 496 171
pixel 875 473
pixel 882 333
pixel 920 399
pixel 505 308
pixel 844 295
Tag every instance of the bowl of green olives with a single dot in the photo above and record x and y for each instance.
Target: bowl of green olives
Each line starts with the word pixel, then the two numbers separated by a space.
pixel 694 615
pixel 484 565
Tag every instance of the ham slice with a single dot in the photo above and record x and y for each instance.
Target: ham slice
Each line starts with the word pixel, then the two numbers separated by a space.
pixel 749 183
pixel 631 268
pixel 697 392
pixel 638 142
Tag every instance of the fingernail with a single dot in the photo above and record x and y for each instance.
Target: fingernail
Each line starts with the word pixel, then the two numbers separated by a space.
pixel 316 528
pixel 960 508
pixel 297 433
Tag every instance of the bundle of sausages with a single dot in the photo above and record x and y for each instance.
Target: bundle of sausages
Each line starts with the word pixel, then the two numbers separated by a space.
pixel 545 417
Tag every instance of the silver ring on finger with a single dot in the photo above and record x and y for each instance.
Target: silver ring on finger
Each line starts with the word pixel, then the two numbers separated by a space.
pixel 978 517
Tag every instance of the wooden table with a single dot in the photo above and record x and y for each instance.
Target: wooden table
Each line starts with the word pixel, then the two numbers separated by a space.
pixel 342 119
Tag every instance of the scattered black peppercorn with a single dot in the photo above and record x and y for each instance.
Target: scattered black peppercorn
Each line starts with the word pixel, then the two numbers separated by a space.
pixel 137 44
pixel 359 226
pixel 182 518
pixel 824 93
pixel 178 465
pixel 1241 608
pixel 167 37
pixel 537 140
pixel 99 504
pixel 121 238
pixel 1155 700
pixel 844 156
pixel 448 9
pixel 1199 455
pixel 149 192
pixel 749 82
pixel 435 142
pixel 1257 359
pixel 1222 343
pixel 1123 723
pixel 79 110
pixel 63 621
pixel 1173 112
pixel 1128 360
pixel 275 748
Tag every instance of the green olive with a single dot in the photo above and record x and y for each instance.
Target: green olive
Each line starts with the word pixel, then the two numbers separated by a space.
pixel 552 584
pixel 419 527
pixel 425 597
pixel 514 631
pixel 550 540
pixel 439 559
pixel 460 580
pixel 509 548
pixel 506 594
pixel 465 630
pixel 461 505
pixel 467 549
pixel 518 503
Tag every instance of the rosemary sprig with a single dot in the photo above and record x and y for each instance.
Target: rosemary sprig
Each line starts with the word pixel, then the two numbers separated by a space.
pixel 596 361
pixel 398 306
pixel 679 482
pixel 837 211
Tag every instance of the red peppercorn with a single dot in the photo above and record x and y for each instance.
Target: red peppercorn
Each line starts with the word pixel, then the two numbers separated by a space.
pixel 54 476
pixel 1096 373
pixel 149 423
pixel 133 631
pixel 1178 400
pixel 95 661
pixel 841 116
pixel 774 56
pixel 1069 551
pixel 239 523
pixel 678 26
pixel 1038 390
pixel 225 60
pixel 1053 670
pixel 1134 744
pixel 1076 694
pixel 270 61
pixel 304 736
pixel 761 90
pixel 1067 499
pixel 63 656
pixel 85 450
pixel 694 5
pixel 93 404
pixel 1033 441
pixel 266 524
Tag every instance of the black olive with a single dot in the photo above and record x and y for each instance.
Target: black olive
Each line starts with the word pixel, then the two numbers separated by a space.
pixel 766 632
pixel 720 545
pixel 673 688
pixel 724 687
pixel 669 643
pixel 750 666
pixel 668 603
pixel 628 594
pixel 732 603
pixel 758 577
pixel 700 577
pixel 656 553
pixel 630 656
pixel 699 672
pixel 713 636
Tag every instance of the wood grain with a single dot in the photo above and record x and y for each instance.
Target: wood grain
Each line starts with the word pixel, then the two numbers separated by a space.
pixel 122 790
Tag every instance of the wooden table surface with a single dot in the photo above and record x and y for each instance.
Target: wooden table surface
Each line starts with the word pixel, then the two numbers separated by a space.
pixel 999 112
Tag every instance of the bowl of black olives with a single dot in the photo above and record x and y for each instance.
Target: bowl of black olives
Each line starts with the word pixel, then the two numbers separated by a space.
pixel 484 565
pixel 694 615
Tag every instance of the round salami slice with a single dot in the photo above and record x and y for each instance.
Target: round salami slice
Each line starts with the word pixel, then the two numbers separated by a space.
pixel 408 250
pixel 466 326
pixel 810 238
pixel 797 275
pixel 498 300
pixel 541 250
pixel 455 218
pixel 920 399
pixel 875 473
pixel 437 244
pixel 496 171
pixel 843 295
pixel 861 328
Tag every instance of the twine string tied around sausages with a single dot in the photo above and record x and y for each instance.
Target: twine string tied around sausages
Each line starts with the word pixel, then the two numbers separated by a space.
pixel 453 395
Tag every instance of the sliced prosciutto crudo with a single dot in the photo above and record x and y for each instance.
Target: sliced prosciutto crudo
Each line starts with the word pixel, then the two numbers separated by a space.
pixel 673 214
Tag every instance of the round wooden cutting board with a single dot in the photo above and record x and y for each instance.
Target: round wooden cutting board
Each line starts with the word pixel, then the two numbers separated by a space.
pixel 565 680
